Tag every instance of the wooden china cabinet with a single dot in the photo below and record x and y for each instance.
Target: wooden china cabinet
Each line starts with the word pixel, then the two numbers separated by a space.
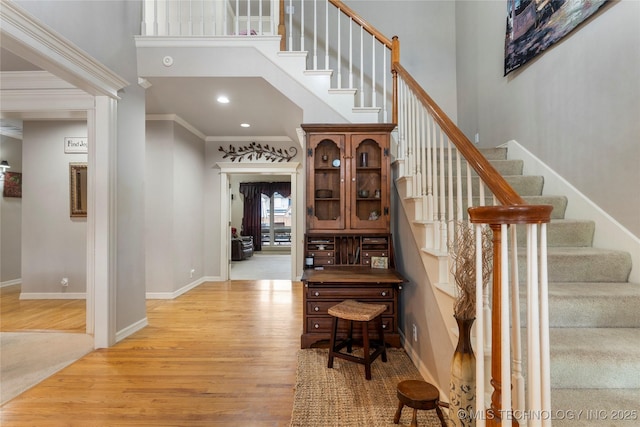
pixel 348 225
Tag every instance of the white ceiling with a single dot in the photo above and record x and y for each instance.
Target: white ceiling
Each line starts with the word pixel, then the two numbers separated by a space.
pixel 193 99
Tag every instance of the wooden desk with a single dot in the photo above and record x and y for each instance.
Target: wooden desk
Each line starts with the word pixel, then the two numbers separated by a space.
pixel 328 287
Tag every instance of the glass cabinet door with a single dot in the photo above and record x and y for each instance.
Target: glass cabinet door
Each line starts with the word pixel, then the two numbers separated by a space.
pixel 326 175
pixel 368 187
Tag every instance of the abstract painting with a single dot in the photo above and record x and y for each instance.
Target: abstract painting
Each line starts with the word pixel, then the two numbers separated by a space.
pixel 535 25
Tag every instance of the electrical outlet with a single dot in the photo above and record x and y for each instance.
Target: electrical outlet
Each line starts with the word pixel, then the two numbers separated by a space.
pixel 192 272
pixel 415 333
pixel 477 138
pixel 64 281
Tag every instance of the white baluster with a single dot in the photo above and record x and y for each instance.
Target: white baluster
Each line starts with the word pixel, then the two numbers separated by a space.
pixel 302 25
pixel 373 72
pixel 430 125
pixel 434 170
pixel 545 363
pixel 533 326
pixel 248 18
pixel 315 34
pixel 362 67
pixel 350 53
pixel 423 155
pixel 326 35
pixel 516 372
pixel 237 26
pixel 260 17
pixel 385 113
pixel 450 197
pixel 505 350
pixel 339 51
pixel 414 154
pixel 291 28
pixel 442 197
pixel 459 209
pixel 202 18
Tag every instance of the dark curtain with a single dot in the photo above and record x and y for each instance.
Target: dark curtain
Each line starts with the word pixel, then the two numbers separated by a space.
pixel 252 192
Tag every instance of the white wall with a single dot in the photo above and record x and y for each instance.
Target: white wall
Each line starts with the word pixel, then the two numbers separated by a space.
pixel 10 216
pixel 53 243
pixel 576 106
pixel 174 214
pixel 427 38
pixel 105 30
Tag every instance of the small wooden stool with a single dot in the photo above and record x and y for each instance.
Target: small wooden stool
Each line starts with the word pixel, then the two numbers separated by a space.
pixel 418 395
pixel 355 311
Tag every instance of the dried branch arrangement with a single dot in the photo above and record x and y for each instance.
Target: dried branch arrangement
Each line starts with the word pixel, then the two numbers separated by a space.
pixel 258 151
pixel 463 267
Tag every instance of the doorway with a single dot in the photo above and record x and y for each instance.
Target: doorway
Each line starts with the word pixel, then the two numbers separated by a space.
pixel 234 172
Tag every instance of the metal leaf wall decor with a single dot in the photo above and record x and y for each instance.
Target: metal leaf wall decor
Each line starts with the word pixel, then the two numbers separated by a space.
pixel 258 151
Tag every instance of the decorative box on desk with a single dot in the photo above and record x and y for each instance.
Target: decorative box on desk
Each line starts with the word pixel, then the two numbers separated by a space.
pixel 332 285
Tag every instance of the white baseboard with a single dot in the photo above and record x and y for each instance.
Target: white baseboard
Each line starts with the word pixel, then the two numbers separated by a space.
pixel 183 290
pixel 53 295
pixel 609 234
pixel 131 329
pixel 10 282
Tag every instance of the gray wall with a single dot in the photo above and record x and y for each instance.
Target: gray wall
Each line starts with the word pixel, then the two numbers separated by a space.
pixel 10 216
pixel 576 107
pixel 105 30
pixel 175 216
pixel 54 245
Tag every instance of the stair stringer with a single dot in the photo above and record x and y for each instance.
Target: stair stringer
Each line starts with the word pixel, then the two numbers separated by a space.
pixel 609 234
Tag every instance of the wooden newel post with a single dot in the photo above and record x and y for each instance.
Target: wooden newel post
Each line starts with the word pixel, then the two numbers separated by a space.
pixel 494 412
pixel 282 29
pixel 395 59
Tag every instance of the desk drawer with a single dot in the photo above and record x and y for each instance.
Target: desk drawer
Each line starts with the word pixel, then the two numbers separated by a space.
pixel 323 324
pixel 350 293
pixel 321 307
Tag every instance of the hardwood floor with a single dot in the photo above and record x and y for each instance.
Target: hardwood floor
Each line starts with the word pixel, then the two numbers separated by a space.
pixel 222 354
pixel 60 315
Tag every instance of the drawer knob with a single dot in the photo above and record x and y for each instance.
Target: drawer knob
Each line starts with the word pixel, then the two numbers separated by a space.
pixel 384 293
pixel 316 293
pixel 316 308
pixel 317 326
pixel 384 326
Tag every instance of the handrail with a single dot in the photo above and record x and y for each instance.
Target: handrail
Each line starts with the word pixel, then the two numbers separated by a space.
pixel 363 23
pixel 496 183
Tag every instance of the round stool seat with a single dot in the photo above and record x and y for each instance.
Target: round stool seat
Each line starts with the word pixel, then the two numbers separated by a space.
pixel 418 394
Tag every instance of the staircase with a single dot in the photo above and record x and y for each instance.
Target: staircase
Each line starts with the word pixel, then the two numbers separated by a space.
pixel 594 323
pixel 593 311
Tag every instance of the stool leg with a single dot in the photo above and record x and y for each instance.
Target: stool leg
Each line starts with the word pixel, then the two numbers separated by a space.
pixel 439 412
pixel 332 342
pixel 381 337
pixel 367 357
pixel 414 420
pixel 396 418
pixel 350 338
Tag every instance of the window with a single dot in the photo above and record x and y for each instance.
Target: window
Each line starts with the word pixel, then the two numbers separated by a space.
pixel 276 220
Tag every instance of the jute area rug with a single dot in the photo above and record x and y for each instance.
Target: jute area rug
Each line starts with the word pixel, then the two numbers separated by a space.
pixel 342 397
pixel 27 358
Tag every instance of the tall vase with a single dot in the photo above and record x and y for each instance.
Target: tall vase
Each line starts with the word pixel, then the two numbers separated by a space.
pixel 462 393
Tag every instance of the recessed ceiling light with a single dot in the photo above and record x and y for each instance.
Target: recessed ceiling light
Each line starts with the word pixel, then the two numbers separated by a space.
pixel 245 125
pixel 223 99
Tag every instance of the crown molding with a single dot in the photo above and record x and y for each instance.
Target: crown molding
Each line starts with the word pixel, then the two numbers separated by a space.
pixel 179 120
pixel 28 38
pixel 249 139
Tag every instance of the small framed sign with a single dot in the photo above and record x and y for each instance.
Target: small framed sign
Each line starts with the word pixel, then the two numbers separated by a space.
pixel 75 145
pixel 379 262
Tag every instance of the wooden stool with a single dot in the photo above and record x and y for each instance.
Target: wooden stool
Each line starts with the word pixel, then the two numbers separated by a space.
pixel 355 311
pixel 418 395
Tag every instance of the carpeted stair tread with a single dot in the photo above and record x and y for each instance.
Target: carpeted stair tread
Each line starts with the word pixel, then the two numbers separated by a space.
pixel 589 407
pixel 590 305
pixel 559 204
pixel 579 357
pixel 564 233
pixel 580 264
pixel 524 185
pixel 504 167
